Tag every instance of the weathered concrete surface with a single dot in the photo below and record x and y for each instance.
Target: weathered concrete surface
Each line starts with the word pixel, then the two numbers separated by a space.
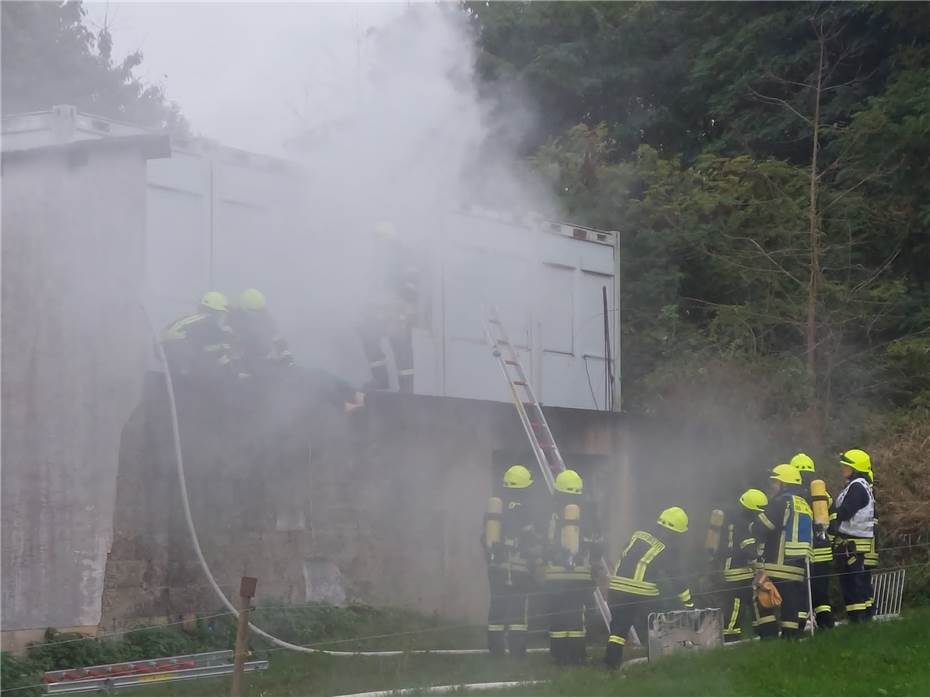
pixel 74 343
pixel 392 499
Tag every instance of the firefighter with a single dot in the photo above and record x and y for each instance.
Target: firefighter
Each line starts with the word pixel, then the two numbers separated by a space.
pixel 198 346
pixel 854 530
pixel 821 551
pixel 512 546
pixel 648 572
pixel 259 347
pixel 259 350
pixel 573 543
pixel 741 553
pixel 391 309
pixel 786 529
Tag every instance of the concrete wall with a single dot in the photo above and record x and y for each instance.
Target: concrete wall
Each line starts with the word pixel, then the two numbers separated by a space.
pixel 73 349
pixel 390 504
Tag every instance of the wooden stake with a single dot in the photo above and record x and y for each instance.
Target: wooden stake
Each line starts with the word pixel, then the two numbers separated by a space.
pixel 246 593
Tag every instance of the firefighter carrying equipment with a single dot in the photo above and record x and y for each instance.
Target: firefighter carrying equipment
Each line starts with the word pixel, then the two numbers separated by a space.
pixel 647 570
pixel 765 592
pixel 787 474
pixel 569 482
pixel 510 564
pixel 858 460
pixel 754 500
pixel 712 539
pixel 674 518
pixel 740 555
pixel 252 300
pixel 803 462
pixel 572 543
pixel 214 300
pixel 517 477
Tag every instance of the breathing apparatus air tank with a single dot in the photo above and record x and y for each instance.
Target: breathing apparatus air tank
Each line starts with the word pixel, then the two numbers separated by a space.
pixel 492 522
pixel 820 502
pixel 712 540
pixel 571 531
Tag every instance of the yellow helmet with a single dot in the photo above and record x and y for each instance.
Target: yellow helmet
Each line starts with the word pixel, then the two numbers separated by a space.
pixel 215 300
pixel 517 477
pixel 385 230
pixel 803 463
pixel 754 500
pixel 787 474
pixel 569 482
pixel 252 300
pixel 674 518
pixel 858 460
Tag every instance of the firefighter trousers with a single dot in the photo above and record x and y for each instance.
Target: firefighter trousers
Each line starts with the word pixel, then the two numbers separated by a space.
pixel 627 610
pixel 821 573
pixel 567 632
pixel 855 582
pixel 508 611
pixel 737 608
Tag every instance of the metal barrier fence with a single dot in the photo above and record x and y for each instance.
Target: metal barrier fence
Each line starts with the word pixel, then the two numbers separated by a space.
pixel 887 591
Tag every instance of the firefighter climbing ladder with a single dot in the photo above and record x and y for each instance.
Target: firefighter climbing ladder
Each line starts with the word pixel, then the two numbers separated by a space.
pixel 531 416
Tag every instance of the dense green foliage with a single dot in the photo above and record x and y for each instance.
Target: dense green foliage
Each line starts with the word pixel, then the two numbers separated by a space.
pixel 768 167
pixel 51 57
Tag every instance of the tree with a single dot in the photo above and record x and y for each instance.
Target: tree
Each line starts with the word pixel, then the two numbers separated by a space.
pixel 50 57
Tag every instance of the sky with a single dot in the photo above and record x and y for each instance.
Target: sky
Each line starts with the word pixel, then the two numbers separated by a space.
pixel 246 73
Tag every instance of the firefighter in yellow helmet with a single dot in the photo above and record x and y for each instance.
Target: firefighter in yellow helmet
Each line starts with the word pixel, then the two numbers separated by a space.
pixel 198 345
pixel 573 542
pixel 512 547
pixel 649 572
pixel 391 308
pixel 259 346
pixel 821 550
pixel 740 554
pixel 855 535
pixel 786 529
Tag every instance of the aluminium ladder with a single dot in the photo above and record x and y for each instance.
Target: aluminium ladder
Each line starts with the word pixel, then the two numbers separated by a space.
pixel 532 417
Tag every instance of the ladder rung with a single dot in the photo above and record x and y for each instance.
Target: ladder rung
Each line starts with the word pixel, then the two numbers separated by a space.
pixel 510 362
pixel 520 382
pixel 547 446
pixel 537 424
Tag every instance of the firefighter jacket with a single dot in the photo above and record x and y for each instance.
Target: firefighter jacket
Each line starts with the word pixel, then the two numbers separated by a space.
pixel 561 563
pixel 257 340
pixel 649 567
pixel 787 531
pixel 199 344
pixel 739 547
pixel 855 513
pixel 520 544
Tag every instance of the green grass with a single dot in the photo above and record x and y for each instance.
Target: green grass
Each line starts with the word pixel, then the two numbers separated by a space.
pixel 890 658
pixel 881 659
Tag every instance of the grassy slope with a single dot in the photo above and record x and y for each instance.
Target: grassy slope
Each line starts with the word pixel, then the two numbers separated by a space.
pixel 882 659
